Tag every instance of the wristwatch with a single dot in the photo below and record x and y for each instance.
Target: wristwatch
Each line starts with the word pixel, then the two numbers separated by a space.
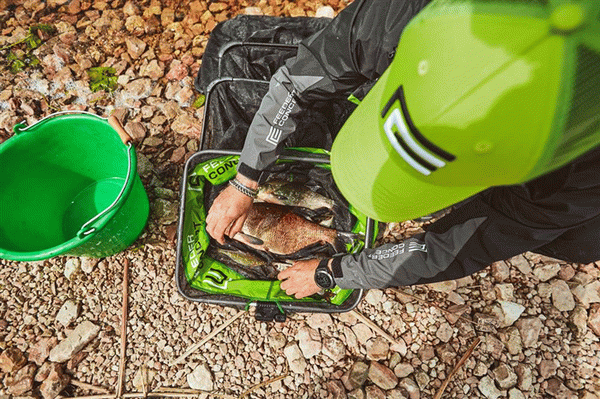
pixel 323 277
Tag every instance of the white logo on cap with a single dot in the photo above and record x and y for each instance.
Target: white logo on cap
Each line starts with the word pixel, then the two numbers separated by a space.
pixel 396 119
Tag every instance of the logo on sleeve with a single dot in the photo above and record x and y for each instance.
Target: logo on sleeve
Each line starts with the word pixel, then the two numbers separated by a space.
pixel 274 136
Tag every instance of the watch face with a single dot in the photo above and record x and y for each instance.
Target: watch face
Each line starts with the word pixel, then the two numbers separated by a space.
pixel 323 279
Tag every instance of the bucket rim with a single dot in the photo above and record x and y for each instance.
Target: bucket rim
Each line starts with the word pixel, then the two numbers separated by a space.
pixel 97 225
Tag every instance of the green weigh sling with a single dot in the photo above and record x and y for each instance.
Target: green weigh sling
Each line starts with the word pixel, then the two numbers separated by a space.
pixel 69 186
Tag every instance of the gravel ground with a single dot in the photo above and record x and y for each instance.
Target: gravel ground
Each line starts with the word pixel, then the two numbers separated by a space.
pixel 537 319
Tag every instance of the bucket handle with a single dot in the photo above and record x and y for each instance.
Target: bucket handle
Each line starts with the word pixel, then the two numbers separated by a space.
pixel 127 140
pixel 85 230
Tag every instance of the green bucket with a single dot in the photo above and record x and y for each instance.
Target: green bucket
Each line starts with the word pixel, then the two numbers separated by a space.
pixel 69 186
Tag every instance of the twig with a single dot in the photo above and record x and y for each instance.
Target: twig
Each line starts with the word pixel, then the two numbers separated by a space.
pixel 191 393
pixel 374 326
pixel 207 338
pixel 123 328
pixel 144 382
pixel 264 383
pixel 89 387
pixel 462 361
pixel 425 302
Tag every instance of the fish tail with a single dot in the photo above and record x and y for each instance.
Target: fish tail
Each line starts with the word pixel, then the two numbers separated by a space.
pixel 342 239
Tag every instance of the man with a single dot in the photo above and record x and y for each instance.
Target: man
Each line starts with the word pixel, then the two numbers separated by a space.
pixel 491 104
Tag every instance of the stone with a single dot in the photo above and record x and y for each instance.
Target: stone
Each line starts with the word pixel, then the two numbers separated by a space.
pixel 578 322
pixel 521 263
pixel 11 360
pixel 253 11
pixel 511 338
pixel 88 264
pixel 186 125
pixel 319 321
pixel 422 379
pixel 201 378
pixel 486 322
pixel 177 71
pixel 557 389
pixel 56 381
pixel 505 376
pixel 443 286
pixel 358 393
pixel 547 368
pixel 410 388
pixel 524 377
pixel 488 388
pixel 455 298
pixel 277 341
pixel 334 349
pixel 509 312
pixel 444 332
pixel 21 381
pixel 296 361
pixel 309 341
pixel 363 333
pixel 382 376
pixel 136 130
pixel 494 346
pixel 72 266
pixel 336 389
pixel 455 312
pixel 378 349
pixel 594 319
pixel 374 297
pixel 166 212
pixel 505 292
pixel 403 370
pixel 546 272
pixel 445 353
pixel 39 352
pixel 374 392
pixel 135 24
pixel 144 166
pixel 356 376
pixel 325 12
pixel 530 329
pixel 138 379
pixel 515 394
pixel 500 271
pixel 75 341
pixel 567 272
pixel 395 394
pixel 68 313
pixel 562 298
pixel 135 47
pixel 153 70
pixel 588 293
pixel 138 89
pixel 426 353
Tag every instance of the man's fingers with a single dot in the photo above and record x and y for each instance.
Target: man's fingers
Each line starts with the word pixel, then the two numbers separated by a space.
pixel 236 226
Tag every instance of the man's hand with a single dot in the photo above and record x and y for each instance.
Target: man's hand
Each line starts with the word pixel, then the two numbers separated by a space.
pixel 299 279
pixel 228 211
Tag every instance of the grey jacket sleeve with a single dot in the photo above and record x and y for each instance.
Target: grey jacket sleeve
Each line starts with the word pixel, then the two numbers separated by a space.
pixel 355 48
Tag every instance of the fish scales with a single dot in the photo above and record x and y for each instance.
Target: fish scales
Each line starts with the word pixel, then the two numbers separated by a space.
pixel 283 232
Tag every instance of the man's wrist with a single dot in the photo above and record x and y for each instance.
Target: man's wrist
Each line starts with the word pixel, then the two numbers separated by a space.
pixel 246 181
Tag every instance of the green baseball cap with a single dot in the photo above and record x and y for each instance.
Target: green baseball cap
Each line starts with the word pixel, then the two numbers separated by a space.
pixel 479 94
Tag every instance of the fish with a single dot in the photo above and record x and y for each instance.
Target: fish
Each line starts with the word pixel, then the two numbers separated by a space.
pixel 283 192
pixel 239 257
pixel 276 229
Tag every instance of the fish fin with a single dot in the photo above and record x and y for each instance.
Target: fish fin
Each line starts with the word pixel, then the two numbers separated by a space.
pixel 248 239
pixel 310 251
pixel 343 238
